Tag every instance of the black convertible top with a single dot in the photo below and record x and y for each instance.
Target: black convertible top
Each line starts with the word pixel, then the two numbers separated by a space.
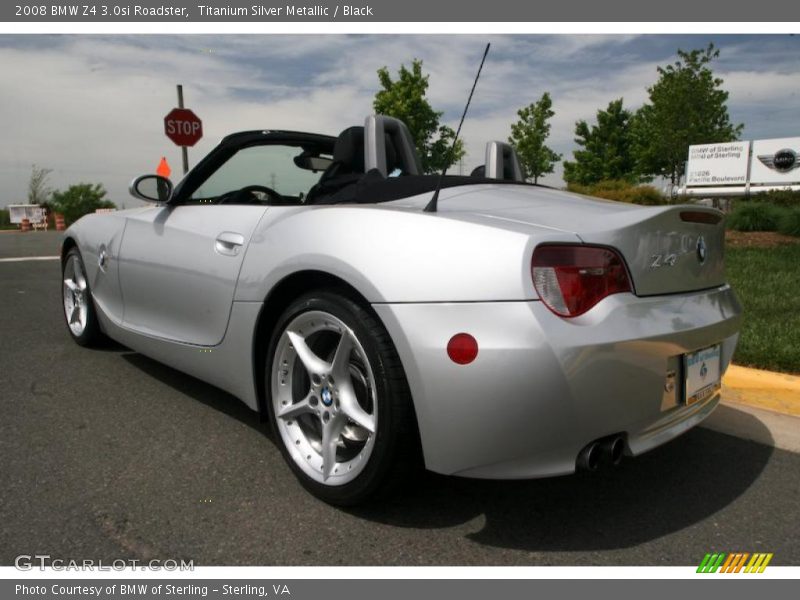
pixel 373 188
pixel 350 188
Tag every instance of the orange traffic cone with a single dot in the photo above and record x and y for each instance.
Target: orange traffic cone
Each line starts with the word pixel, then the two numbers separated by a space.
pixel 25 225
pixel 60 224
pixel 163 168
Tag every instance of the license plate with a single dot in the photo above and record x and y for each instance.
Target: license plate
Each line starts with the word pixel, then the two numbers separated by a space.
pixel 702 369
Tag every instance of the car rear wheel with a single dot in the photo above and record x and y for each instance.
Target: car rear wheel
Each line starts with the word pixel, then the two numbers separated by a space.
pixel 76 297
pixel 339 402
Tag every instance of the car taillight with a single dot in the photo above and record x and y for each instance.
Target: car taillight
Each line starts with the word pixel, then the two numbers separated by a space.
pixel 572 279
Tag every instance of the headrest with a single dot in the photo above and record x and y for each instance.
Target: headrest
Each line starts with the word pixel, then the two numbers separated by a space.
pixel 349 149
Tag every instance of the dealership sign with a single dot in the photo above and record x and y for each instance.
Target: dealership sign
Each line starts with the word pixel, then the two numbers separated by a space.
pixel 775 161
pixel 736 168
pixel 718 164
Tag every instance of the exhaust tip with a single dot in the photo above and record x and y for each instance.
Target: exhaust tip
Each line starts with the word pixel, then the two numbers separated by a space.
pixel 589 457
pixel 613 449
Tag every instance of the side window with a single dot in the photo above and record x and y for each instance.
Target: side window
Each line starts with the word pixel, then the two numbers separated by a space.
pixel 250 174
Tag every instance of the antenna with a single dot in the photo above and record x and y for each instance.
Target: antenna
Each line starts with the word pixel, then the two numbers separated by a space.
pixel 434 203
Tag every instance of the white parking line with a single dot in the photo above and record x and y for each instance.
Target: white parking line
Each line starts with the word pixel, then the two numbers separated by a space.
pixel 24 258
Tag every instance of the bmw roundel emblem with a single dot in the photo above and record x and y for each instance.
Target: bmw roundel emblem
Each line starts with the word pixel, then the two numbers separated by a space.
pixel 701 249
pixel 327 397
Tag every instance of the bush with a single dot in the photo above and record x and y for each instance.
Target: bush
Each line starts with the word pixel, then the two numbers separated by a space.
pixel 790 222
pixel 621 191
pixel 779 198
pixel 755 216
pixel 5 219
pixel 79 200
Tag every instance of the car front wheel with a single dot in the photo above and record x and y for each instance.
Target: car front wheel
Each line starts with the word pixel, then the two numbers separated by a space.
pixel 339 401
pixel 76 297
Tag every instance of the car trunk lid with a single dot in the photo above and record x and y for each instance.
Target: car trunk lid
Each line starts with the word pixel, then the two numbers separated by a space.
pixel 668 249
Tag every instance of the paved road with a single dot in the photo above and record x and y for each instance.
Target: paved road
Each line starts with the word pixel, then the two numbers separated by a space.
pixel 107 454
pixel 35 243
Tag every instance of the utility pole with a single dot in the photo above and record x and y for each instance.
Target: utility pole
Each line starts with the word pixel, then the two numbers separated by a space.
pixel 184 149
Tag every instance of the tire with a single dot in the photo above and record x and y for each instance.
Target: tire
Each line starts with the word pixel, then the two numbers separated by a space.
pixel 80 315
pixel 338 400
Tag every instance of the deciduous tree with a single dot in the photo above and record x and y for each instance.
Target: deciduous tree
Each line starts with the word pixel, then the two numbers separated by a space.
pixel 605 152
pixel 528 136
pixel 404 98
pixel 687 105
pixel 38 190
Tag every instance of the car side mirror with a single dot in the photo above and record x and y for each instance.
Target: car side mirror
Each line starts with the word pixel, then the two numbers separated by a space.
pixel 151 188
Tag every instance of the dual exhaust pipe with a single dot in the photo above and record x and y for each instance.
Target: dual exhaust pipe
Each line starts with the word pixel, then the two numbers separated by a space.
pixel 609 450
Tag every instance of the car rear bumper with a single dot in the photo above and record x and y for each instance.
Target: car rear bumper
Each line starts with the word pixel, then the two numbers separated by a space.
pixel 543 387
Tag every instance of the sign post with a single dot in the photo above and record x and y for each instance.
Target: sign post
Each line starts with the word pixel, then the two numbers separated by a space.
pixel 184 149
pixel 183 127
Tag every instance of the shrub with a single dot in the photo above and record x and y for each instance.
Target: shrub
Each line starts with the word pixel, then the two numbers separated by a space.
pixel 5 218
pixel 779 197
pixel 621 191
pixel 790 222
pixel 79 200
pixel 755 216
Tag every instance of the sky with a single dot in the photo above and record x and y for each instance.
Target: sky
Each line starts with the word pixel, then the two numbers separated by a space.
pixel 91 107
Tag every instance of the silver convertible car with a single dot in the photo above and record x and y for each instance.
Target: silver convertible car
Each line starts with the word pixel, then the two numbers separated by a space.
pixel 505 330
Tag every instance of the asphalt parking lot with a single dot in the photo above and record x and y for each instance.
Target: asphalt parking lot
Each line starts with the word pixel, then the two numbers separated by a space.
pixel 106 454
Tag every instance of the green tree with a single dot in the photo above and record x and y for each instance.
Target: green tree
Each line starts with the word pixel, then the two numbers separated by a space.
pixel 528 136
pixel 38 190
pixel 79 200
pixel 404 98
pixel 687 105
pixel 605 152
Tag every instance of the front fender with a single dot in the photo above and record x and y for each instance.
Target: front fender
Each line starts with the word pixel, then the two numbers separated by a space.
pixel 93 234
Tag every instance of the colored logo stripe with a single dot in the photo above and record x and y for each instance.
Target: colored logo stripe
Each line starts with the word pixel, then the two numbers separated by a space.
pixel 758 563
pixel 734 562
pixel 711 563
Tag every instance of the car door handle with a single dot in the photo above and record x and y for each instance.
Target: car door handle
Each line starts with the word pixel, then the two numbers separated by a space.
pixel 229 243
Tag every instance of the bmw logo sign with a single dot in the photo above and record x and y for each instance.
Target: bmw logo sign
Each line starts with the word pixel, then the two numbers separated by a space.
pixel 701 249
pixel 327 397
pixel 785 160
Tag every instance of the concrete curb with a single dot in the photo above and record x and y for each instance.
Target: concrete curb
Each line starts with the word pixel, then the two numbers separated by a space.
pixel 761 406
pixel 776 392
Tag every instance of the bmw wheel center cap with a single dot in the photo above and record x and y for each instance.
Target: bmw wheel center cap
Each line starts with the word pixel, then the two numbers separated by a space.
pixel 327 397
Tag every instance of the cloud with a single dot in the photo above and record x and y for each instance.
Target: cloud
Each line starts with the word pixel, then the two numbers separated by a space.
pixel 92 107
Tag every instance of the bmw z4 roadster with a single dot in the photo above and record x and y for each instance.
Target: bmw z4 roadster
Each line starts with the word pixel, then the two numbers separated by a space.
pixel 512 331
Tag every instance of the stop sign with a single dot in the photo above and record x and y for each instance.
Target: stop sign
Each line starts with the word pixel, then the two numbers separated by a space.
pixel 183 127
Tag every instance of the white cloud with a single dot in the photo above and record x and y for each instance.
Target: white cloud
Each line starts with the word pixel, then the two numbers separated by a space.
pixel 92 107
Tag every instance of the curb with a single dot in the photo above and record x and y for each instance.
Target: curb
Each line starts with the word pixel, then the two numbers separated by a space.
pixel 776 392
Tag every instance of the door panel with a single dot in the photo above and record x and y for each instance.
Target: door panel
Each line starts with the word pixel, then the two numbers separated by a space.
pixel 179 266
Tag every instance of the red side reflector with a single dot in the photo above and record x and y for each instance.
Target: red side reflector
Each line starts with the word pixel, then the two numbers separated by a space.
pixel 696 216
pixel 462 348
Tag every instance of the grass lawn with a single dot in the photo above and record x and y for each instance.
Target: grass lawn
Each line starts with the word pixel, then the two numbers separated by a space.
pixel 767 282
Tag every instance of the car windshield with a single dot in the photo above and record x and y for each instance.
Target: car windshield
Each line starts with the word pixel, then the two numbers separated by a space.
pixel 250 174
